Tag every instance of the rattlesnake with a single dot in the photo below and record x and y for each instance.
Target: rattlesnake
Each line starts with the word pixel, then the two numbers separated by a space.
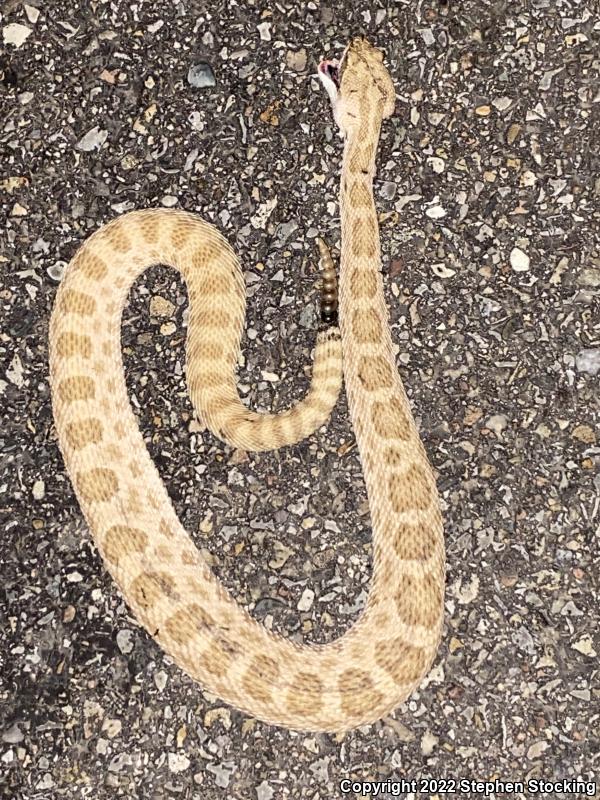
pixel 174 594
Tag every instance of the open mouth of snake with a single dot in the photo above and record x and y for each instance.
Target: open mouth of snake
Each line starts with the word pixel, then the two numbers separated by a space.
pixel 331 69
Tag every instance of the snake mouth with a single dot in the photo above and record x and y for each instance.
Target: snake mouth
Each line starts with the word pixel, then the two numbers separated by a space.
pixel 330 68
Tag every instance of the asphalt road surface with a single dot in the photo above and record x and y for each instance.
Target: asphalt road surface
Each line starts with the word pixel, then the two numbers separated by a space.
pixel 488 190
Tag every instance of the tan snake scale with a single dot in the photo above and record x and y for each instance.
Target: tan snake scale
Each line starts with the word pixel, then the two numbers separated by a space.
pixel 375 665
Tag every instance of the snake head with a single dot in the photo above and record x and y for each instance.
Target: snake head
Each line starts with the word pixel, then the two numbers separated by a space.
pixel 355 83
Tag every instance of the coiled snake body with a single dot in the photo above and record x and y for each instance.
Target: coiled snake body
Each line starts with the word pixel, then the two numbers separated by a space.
pixel 174 594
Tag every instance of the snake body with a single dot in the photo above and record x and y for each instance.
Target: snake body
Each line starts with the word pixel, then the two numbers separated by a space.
pixel 169 586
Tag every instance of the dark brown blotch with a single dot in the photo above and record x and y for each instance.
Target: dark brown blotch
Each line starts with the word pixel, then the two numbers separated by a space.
pixel 74 302
pixel 215 660
pixel 404 663
pixel 363 283
pixel 118 238
pixel 180 235
pixel 363 240
pixel 92 266
pixel 148 588
pixel 306 695
pixel 79 387
pixel 375 372
pixel 121 541
pixel 70 344
pixel 420 600
pixel 83 432
pixel 360 195
pixel 186 624
pixel 97 485
pixel 390 419
pixel 410 490
pixel 359 697
pixel 417 541
pixel 366 326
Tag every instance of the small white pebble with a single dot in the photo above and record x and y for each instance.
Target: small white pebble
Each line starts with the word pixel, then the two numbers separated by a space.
pixel 428 742
pixel 93 140
pixel 588 360
pixel 46 782
pixel 161 307
pixel 112 727
pixel 536 750
pixel 497 423
pixel 125 641
pixel 437 164
pixel 15 34
pixel 122 208
pixel 466 591
pixel 519 260
pixel 502 103
pixel 388 190
pixel 435 117
pixel 435 212
pixel 442 271
pixel 296 60
pixel 15 371
pixel 528 178
pixel 264 791
pixel 585 646
pixel 56 271
pixel 39 490
pixel 33 13
pixel 160 680
pixel 427 36
pixel 306 601
pixel 265 31
pixel 178 762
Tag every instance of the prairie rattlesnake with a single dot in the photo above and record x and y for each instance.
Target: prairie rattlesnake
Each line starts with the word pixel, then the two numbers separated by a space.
pixel 172 591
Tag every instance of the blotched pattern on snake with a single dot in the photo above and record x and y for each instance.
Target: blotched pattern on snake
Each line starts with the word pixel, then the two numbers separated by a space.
pixel 365 673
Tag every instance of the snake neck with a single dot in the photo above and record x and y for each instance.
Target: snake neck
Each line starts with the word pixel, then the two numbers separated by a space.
pixel 360 230
pixel 360 260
